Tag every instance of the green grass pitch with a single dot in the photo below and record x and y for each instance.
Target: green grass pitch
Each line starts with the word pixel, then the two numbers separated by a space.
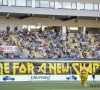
pixel 46 85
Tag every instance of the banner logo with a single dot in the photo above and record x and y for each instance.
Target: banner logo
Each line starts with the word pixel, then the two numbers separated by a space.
pixel 40 77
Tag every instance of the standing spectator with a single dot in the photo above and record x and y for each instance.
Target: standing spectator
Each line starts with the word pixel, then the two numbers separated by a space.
pixel 93 76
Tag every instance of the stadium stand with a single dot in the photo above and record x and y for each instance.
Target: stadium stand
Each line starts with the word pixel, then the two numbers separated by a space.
pixel 52 45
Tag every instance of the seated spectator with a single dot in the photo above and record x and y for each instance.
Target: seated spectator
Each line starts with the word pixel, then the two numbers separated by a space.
pixel 52 44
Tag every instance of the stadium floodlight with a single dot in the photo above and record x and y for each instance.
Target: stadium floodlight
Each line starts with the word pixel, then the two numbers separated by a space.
pixel 53 17
pixel 68 16
pixel 7 16
pixel 96 19
pixel 77 16
pixel 30 15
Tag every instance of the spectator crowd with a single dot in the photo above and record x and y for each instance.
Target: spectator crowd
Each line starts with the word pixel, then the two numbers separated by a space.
pixel 52 44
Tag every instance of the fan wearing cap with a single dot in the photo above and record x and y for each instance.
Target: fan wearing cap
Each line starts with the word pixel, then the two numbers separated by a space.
pixel 83 77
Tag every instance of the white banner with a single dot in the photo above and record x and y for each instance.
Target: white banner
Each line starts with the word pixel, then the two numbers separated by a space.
pixel 41 77
pixel 60 78
pixel 8 48
pixel 13 78
pixel 45 78
pixel 53 78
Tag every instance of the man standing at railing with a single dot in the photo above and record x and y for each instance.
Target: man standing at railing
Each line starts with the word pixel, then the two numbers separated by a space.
pixel 93 76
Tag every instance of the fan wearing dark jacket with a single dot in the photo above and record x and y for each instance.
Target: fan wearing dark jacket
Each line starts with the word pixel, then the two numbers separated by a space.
pixel 93 76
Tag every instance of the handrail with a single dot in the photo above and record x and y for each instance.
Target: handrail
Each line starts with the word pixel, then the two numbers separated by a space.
pixel 49 59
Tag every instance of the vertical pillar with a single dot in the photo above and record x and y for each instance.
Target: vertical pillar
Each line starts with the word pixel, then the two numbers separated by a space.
pixel 56 5
pixel 78 6
pixel 43 28
pixel 9 2
pixel 84 30
pixel 33 3
pixel 69 29
pixel 63 31
pixel 99 7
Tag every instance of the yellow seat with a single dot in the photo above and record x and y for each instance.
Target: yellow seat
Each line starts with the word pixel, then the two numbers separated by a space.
pixel 70 40
pixel 4 43
pixel 1 56
pixel 97 44
pixel 92 40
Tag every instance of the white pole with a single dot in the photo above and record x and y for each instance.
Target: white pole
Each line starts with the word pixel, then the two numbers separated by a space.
pixel 70 72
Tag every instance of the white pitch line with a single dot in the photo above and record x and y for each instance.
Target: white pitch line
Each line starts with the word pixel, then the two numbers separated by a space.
pixel 66 89
pixel 65 82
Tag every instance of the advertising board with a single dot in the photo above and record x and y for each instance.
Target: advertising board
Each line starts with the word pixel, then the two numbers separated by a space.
pixel 15 78
pixel 40 77
pixel 60 78
pixel 9 78
pixel 8 48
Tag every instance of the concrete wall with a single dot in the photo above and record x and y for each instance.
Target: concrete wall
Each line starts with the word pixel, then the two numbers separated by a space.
pixel 12 22
pixel 47 11
pixel 83 1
